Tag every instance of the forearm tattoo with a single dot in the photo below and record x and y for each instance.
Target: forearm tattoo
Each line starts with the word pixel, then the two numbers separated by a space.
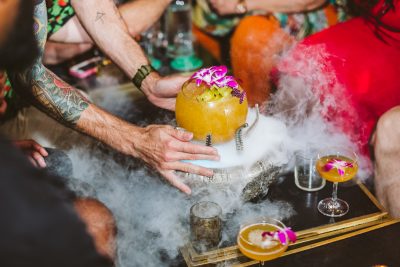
pixel 50 93
pixel 99 16
pixel 58 99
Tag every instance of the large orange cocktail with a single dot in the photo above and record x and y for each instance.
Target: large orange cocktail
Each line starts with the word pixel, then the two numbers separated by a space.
pixel 211 103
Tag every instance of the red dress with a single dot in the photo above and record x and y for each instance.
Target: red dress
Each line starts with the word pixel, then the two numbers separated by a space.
pixel 365 58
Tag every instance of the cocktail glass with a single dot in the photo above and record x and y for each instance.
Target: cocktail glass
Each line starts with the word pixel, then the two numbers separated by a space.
pixel 336 165
pixel 258 239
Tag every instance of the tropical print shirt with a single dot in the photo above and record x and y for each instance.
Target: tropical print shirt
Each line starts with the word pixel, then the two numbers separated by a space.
pixel 299 24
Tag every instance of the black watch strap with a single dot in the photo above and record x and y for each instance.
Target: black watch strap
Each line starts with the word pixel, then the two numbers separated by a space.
pixel 141 74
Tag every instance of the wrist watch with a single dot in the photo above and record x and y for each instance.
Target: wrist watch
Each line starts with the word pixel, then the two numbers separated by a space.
pixel 141 74
pixel 241 7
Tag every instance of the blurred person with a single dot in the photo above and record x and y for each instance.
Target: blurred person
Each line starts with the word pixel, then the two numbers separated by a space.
pixel 261 30
pixel 160 146
pixel 30 148
pixel 363 55
pixel 386 145
pixel 39 225
pixel 370 79
pixel 20 41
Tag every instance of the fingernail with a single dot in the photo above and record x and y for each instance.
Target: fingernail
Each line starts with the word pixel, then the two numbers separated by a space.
pixel 188 192
pixel 189 135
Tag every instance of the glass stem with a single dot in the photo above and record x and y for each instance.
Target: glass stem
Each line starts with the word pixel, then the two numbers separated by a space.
pixel 334 192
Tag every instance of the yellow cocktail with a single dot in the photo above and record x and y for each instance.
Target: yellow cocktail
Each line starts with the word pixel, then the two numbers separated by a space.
pixel 337 165
pixel 206 107
pixel 264 239
pixel 333 175
pixel 251 245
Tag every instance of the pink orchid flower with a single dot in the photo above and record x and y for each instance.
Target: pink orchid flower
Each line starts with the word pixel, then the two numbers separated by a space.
pixel 339 165
pixel 283 236
pixel 216 75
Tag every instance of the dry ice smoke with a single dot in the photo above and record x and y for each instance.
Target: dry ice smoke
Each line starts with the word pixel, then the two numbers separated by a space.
pixel 153 217
pixel 314 105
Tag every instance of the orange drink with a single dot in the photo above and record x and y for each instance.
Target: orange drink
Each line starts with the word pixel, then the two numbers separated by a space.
pixel 264 239
pixel 203 108
pixel 348 166
pixel 251 245
pixel 337 165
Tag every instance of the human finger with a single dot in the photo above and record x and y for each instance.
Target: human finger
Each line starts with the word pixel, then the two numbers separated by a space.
pixel 180 134
pixel 189 168
pixel 39 159
pixel 39 149
pixel 173 179
pixel 177 156
pixel 191 148
pixel 33 161
pixel 169 104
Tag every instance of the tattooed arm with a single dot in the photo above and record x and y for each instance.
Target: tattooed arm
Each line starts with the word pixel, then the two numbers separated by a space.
pixel 162 147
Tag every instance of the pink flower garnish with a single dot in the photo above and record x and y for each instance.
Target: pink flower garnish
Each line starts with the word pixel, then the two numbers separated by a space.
pixel 281 235
pixel 339 165
pixel 216 75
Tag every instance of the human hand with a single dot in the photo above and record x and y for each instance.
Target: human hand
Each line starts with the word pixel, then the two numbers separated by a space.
pixel 224 7
pixel 164 90
pixel 3 103
pixel 34 151
pixel 164 148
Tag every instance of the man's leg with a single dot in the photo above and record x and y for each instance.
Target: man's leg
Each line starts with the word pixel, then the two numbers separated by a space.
pixel 387 155
pixel 100 224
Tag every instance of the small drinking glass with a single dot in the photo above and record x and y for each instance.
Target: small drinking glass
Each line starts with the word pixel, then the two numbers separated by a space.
pixel 205 225
pixel 306 176
pixel 336 165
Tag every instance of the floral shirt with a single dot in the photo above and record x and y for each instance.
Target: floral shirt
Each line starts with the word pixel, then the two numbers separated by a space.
pixel 58 15
pixel 299 25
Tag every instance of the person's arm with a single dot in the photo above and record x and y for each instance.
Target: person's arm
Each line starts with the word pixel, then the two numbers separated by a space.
pixel 139 15
pixel 225 7
pixel 161 146
pixel 104 23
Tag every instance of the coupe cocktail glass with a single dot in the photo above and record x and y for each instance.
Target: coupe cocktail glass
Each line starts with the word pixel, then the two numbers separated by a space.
pixel 336 165
pixel 257 239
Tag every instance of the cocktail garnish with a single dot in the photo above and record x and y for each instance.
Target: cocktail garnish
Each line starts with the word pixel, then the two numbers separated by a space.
pixel 216 77
pixel 282 236
pixel 339 164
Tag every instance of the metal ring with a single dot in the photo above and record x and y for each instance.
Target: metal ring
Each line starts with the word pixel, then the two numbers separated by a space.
pixel 179 128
